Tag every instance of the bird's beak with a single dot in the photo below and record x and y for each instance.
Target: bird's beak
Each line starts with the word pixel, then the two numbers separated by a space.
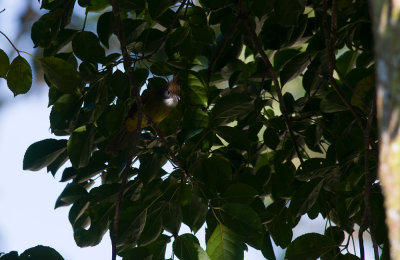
pixel 176 98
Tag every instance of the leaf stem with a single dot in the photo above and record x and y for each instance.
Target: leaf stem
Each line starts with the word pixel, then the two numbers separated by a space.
pixel 15 48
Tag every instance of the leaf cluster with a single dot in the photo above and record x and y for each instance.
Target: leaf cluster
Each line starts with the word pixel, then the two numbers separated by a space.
pixel 254 169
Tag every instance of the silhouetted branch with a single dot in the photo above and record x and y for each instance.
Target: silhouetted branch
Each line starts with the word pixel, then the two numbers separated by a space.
pixel 275 80
pixel 218 53
pixel 330 41
pixel 136 89
pixel 166 146
pixel 166 35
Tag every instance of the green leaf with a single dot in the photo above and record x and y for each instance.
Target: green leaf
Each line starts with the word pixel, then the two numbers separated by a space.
pixel 289 11
pixel 41 252
pixel 172 216
pixel 309 246
pixel 346 61
pixel 80 146
pixel 158 7
pixel 230 106
pixel 281 232
pixel 234 136
pixel 57 163
pixel 240 192
pixel 155 250
pixel 203 34
pixel 105 27
pixel 43 153
pixel 152 229
pixel 70 194
pixel 77 210
pixel 99 221
pixel 178 36
pixel 282 57
pixel 197 93
pixel 305 197
pixel 19 76
pixel 335 233
pixel 187 246
pixel 4 64
pixel 213 3
pixel 365 89
pixel 225 244
pixel 61 74
pixel 131 224
pixel 332 103
pixel 194 214
pixel 241 218
pixel 63 114
pixel 295 66
pixel 271 138
pixel 97 5
pixel 87 47
pixel 13 255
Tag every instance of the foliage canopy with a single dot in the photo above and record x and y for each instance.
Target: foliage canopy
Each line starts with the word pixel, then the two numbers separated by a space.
pixel 276 121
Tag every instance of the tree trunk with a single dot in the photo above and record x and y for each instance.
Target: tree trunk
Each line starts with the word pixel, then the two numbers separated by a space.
pixel 386 26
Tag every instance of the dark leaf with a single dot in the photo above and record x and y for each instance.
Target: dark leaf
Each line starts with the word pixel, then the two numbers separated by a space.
pixel 240 192
pixel 70 194
pixel 4 64
pixel 87 47
pixel 241 219
pixel 187 246
pixel 19 76
pixel 332 103
pixel 41 252
pixel 80 146
pixel 43 153
pixel 105 27
pixel 172 216
pixel 225 244
pixel 271 138
pixel 295 66
pixel 230 106
pixel 309 246
pixel 61 74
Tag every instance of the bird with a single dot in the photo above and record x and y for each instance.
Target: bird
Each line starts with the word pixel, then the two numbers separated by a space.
pixel 157 104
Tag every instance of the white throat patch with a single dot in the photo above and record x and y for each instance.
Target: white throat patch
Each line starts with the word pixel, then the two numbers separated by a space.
pixel 170 102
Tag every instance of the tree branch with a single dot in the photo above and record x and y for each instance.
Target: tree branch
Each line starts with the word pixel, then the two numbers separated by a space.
pixel 175 160
pixel 136 89
pixel 275 80
pixel 330 41
pixel 360 237
pixel 218 53
pixel 166 35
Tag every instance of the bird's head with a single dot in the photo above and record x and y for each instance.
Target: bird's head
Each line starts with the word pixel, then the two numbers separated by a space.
pixel 173 90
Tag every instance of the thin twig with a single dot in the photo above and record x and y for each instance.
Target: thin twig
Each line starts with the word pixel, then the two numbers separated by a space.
pixel 274 77
pixel 136 89
pixel 166 35
pixel 15 48
pixel 361 239
pixel 330 41
pixel 218 53
pixel 166 146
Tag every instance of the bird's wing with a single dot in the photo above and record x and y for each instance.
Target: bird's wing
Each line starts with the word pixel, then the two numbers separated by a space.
pixel 145 98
